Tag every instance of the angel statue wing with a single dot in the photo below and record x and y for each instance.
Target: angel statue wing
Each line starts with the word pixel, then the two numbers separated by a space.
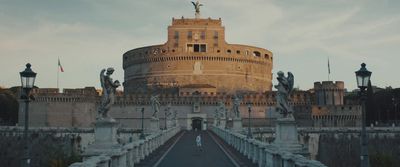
pixel 290 79
pixel 102 79
pixel 197 5
pixel 194 4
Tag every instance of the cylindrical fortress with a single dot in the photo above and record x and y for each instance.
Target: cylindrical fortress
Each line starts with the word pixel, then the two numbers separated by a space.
pixel 196 54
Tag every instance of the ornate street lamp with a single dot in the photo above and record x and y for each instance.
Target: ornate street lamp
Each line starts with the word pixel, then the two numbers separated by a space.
pixel 142 136
pixel 363 77
pixel 165 116
pixel 395 103
pixel 27 83
pixel 249 134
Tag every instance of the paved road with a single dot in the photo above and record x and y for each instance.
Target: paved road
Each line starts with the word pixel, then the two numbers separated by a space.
pixel 186 154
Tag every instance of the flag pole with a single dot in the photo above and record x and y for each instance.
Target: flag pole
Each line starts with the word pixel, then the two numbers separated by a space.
pixel 329 77
pixel 329 70
pixel 58 71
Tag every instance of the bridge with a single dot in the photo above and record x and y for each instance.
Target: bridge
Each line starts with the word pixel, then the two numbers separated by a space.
pixel 176 147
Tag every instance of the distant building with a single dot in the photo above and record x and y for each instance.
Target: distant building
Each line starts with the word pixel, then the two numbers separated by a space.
pixel 330 110
pixel 329 93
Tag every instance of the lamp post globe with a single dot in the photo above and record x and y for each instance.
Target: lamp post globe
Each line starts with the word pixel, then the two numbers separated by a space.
pixel 363 78
pixel 27 83
pixel 27 77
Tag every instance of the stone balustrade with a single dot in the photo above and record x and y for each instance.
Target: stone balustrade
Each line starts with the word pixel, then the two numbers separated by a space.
pixel 132 153
pixel 265 155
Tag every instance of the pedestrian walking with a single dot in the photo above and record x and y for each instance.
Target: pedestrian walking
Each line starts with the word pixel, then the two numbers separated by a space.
pixel 198 142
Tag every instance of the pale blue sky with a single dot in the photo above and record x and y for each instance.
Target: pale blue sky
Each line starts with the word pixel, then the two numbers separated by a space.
pixel 89 35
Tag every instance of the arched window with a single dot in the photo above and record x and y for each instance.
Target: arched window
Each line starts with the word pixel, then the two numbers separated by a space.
pixel 256 53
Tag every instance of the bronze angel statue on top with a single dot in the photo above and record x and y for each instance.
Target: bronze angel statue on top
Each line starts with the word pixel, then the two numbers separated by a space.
pixel 284 88
pixel 197 6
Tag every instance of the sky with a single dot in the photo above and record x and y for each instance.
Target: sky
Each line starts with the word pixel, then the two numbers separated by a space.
pixel 89 35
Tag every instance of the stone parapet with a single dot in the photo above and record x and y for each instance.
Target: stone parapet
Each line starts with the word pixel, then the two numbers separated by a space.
pixel 130 153
pixel 265 155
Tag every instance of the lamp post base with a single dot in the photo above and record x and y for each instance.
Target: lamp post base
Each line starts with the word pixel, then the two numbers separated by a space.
pixel 237 124
pixel 154 125
pixel 222 123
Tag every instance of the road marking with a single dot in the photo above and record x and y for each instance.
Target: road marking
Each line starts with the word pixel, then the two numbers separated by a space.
pixel 226 153
pixel 169 149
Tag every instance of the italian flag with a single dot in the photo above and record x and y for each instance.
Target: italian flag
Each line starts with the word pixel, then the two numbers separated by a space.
pixel 59 65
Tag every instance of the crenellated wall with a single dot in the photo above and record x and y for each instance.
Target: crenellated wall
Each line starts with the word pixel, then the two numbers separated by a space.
pixel 79 110
pixel 72 108
pixel 329 92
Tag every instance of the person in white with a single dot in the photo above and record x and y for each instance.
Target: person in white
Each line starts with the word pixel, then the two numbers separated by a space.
pixel 198 142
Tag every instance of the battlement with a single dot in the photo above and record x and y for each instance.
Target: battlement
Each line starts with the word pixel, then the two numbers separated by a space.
pixel 329 92
pixel 298 98
pixel 87 94
pixel 87 91
pixel 329 85
pixel 45 91
pixel 194 21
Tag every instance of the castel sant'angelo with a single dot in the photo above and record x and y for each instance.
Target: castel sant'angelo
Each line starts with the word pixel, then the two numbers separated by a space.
pixel 197 55
pixel 193 74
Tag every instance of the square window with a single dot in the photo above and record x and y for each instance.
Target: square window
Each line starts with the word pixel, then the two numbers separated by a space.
pixel 196 48
pixel 189 34
pixel 176 35
pixel 202 48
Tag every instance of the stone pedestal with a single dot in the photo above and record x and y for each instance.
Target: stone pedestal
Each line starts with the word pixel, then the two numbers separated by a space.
pixel 237 124
pixel 105 139
pixel 169 123
pixel 222 123
pixel 287 137
pixel 205 124
pixel 176 124
pixel 154 125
